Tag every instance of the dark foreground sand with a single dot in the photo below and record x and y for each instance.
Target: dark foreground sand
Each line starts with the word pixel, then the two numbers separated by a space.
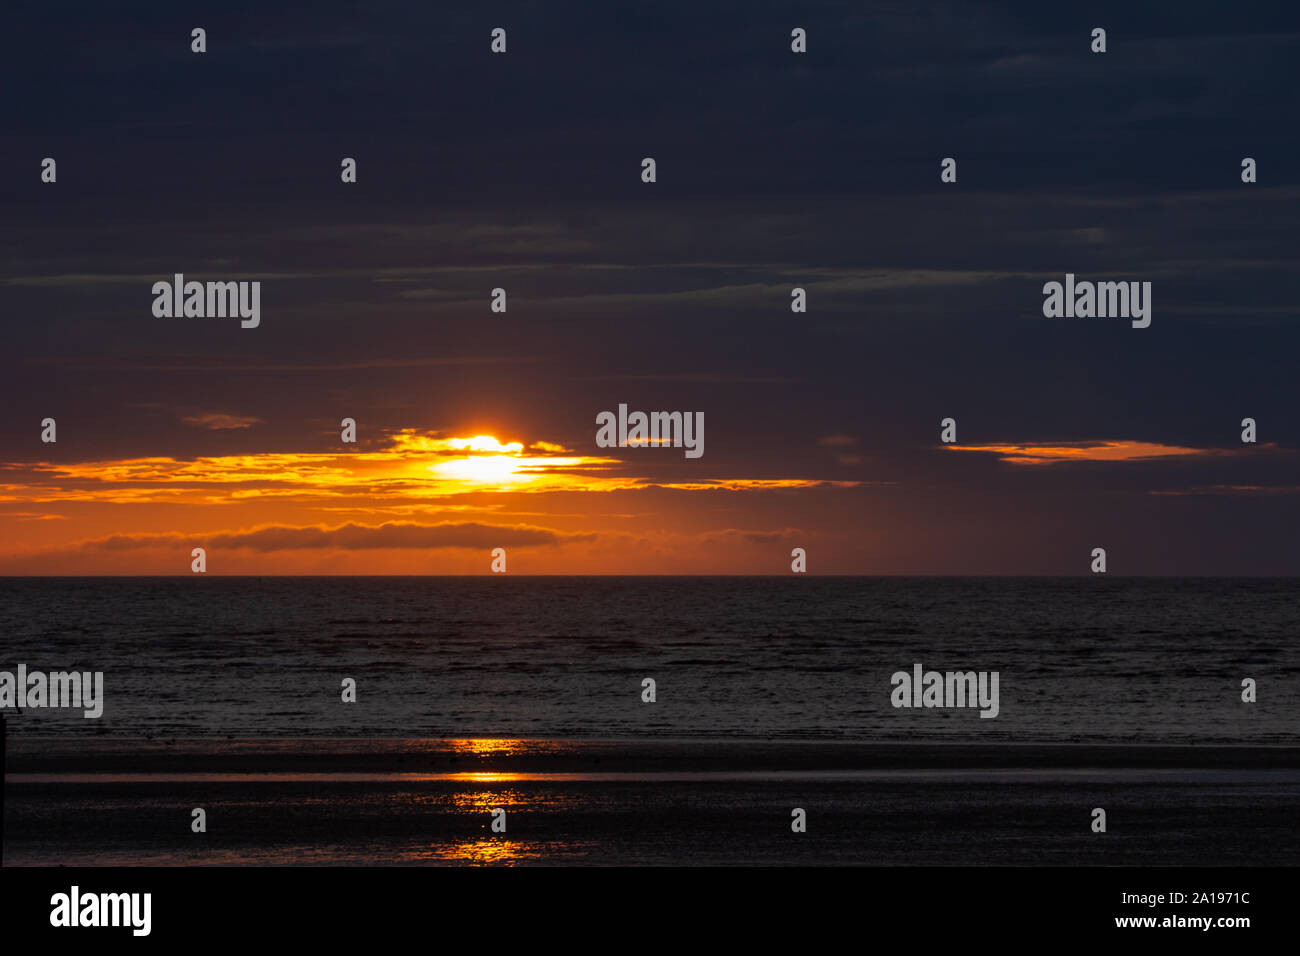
pixel 670 802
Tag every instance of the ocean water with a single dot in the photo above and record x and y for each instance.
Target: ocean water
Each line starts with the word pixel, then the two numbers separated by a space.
pixel 1087 659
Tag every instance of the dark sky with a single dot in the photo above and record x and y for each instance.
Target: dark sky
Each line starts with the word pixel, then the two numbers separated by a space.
pixel 775 170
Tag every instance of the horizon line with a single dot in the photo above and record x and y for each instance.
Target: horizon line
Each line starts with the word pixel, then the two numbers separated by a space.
pixel 598 574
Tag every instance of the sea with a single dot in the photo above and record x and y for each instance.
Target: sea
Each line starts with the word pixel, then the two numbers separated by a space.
pixel 1093 659
pixel 1171 704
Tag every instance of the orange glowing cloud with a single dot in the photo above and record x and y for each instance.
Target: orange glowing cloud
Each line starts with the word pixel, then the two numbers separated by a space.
pixel 1245 490
pixel 411 502
pixel 410 467
pixel 1105 450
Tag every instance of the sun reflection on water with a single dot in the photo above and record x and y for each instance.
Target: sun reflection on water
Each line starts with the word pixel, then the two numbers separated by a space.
pixel 483 851
pixel 487 800
pixel 487 746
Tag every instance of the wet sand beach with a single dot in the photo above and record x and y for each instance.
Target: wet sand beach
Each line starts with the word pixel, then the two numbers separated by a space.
pixel 611 802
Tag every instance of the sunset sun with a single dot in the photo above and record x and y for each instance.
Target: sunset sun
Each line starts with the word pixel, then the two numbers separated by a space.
pixel 487 469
